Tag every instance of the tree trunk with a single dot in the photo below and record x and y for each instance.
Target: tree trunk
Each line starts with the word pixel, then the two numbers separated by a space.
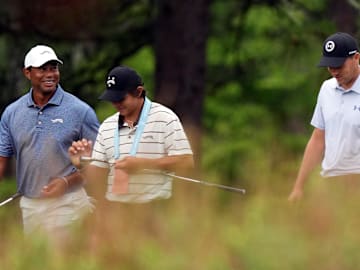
pixel 180 49
pixel 344 16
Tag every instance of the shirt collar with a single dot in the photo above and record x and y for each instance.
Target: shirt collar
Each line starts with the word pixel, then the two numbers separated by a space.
pixel 55 99
pixel 355 87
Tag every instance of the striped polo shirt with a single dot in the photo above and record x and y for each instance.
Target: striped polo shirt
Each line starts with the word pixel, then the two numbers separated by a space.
pixel 337 112
pixel 163 135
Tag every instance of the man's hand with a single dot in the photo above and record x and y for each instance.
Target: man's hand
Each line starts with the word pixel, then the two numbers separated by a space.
pixel 131 164
pixel 78 149
pixel 295 195
pixel 55 188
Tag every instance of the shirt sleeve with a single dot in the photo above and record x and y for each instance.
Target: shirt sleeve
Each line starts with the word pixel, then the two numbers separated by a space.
pixel 99 152
pixel 176 141
pixel 90 125
pixel 318 117
pixel 6 142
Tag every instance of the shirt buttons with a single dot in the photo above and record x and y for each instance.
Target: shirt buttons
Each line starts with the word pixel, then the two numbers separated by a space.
pixel 39 122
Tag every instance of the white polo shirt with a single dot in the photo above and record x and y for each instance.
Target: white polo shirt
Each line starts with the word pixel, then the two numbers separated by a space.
pixel 163 135
pixel 338 113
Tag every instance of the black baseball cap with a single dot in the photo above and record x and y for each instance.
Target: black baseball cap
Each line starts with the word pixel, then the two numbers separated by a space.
pixel 336 48
pixel 119 82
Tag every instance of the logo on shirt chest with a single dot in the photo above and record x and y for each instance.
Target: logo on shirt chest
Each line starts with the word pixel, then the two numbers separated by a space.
pixel 148 137
pixel 57 120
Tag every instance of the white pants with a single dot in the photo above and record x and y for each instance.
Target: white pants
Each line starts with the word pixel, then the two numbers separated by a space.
pixel 54 214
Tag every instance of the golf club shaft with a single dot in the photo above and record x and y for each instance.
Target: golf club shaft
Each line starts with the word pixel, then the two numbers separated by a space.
pixel 13 197
pixel 228 188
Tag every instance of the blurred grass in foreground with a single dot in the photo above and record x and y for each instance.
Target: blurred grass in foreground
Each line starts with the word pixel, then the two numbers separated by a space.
pixel 198 229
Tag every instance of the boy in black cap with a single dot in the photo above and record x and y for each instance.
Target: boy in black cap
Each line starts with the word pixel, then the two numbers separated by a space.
pixel 336 119
pixel 141 135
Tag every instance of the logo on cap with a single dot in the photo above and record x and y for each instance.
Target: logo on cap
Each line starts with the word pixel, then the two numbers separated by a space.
pixel 43 52
pixel 330 46
pixel 110 81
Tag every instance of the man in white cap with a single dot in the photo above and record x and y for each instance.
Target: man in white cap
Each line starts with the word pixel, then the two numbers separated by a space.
pixel 335 141
pixel 37 129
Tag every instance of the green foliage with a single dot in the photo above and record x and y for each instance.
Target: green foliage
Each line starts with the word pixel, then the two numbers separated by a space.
pixel 262 83
pixel 8 187
pixel 243 141
pixel 192 231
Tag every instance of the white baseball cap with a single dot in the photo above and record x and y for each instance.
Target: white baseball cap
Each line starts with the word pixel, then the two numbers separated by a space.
pixel 39 55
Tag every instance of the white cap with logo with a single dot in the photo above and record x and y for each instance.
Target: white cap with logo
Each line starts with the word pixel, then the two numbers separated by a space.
pixel 39 55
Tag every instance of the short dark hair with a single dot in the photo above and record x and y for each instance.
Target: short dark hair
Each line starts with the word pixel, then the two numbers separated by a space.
pixel 134 92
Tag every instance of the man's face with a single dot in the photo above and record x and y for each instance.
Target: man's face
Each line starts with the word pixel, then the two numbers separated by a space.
pixel 347 73
pixel 45 78
pixel 129 106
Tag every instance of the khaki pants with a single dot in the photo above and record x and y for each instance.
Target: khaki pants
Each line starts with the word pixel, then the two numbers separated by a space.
pixel 344 183
pixel 339 191
pixel 54 214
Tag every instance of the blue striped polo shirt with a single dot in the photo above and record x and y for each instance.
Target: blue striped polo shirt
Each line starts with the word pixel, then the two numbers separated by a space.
pixel 337 112
pixel 39 138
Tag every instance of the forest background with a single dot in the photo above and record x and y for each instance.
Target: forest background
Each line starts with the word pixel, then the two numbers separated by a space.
pixel 242 77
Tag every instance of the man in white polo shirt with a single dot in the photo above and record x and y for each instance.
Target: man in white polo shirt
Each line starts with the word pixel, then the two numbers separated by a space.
pixel 141 135
pixel 335 140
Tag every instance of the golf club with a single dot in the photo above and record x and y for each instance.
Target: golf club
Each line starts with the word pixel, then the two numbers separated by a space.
pixel 228 188
pixel 13 197
pixel 149 171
